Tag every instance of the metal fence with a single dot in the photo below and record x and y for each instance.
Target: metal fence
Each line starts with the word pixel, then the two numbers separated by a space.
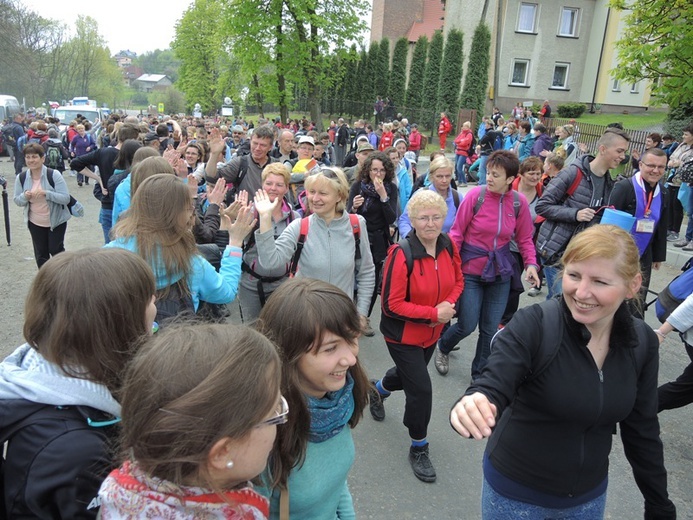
pixel 589 134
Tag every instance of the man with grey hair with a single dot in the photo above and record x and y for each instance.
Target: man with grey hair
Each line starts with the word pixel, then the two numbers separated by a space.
pixel 284 151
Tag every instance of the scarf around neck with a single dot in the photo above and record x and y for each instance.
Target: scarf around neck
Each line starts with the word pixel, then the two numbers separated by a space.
pixel 330 414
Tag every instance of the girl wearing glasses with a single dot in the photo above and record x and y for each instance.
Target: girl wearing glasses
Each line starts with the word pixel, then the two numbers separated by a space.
pixel 201 405
pixel 374 197
pixel 418 298
pixel 316 327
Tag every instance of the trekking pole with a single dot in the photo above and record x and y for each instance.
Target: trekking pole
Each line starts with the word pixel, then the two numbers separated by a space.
pixel 6 209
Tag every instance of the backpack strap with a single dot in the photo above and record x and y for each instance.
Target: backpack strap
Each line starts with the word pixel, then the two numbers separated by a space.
pixel 516 203
pixel 293 265
pixel 552 334
pixel 456 198
pixel 480 199
pixel 576 182
pixel 356 230
pixel 242 171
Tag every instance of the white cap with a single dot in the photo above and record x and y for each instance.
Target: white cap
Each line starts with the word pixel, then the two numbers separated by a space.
pixel 306 139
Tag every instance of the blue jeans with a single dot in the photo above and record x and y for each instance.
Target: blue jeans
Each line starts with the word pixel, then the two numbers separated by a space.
pixel 481 303
pixel 482 169
pixel 460 161
pixel 554 282
pixel 689 227
pixel 106 221
pixel 497 507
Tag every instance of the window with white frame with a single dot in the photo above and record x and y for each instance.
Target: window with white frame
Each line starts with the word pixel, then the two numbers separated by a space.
pixel 560 76
pixel 519 73
pixel 527 18
pixel 616 86
pixel 635 87
pixel 569 21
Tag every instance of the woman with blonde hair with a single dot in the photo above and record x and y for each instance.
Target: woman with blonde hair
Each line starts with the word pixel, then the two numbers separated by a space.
pixel 561 376
pixel 158 227
pixel 335 246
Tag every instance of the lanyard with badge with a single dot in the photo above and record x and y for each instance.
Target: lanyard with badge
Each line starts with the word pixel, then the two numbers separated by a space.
pixel 646 224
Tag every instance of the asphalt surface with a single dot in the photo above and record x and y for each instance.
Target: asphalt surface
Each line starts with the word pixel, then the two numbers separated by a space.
pixel 381 481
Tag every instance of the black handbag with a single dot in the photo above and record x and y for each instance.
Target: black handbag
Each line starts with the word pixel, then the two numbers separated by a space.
pixel 685 172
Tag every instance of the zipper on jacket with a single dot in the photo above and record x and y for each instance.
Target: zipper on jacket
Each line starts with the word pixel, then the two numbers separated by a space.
pixel 500 223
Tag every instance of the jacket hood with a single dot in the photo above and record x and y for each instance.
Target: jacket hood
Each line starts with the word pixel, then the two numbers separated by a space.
pixel 26 375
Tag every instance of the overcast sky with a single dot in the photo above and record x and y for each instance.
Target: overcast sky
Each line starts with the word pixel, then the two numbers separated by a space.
pixel 140 26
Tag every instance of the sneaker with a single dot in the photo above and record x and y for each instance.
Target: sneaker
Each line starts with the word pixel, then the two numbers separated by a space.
pixel 534 291
pixel 421 463
pixel 368 331
pixel 681 243
pixel 442 362
pixel 376 403
pixel 688 247
pixel 672 236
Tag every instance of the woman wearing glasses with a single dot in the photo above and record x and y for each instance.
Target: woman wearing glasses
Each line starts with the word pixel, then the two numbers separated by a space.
pixel 420 288
pixel 488 218
pixel 316 328
pixel 201 405
pixel 374 197
pixel 644 197
pixel 329 251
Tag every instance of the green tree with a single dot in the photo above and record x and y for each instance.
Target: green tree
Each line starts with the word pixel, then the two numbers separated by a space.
pixel 361 88
pixel 476 80
pixel 200 48
pixel 351 82
pixel 432 73
pixel 382 72
pixel 416 73
pixel 369 92
pixel 451 73
pixel 656 46
pixel 398 78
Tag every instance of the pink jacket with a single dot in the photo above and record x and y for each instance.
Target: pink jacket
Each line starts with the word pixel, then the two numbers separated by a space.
pixel 493 227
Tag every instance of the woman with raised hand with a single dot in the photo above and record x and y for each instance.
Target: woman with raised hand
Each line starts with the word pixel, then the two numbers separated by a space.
pixel 316 327
pixel 561 376
pixel 158 227
pixel 335 245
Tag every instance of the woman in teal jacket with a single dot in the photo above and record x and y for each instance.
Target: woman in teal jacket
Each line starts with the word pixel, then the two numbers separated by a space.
pixel 158 227
pixel 316 327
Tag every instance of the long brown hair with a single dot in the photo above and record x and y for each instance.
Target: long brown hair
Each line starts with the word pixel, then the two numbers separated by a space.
pixel 190 386
pixel 88 323
pixel 296 317
pixel 146 168
pixel 154 220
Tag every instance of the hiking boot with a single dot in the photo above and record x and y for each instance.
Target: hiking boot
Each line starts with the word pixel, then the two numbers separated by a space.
pixel 368 330
pixel 421 463
pixel 376 403
pixel 672 236
pixel 441 361
pixel 681 243
pixel 534 291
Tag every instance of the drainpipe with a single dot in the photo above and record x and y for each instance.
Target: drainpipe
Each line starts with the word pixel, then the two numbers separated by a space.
pixel 499 37
pixel 599 64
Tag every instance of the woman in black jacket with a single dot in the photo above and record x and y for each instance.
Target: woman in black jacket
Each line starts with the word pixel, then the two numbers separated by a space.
pixel 374 196
pixel 560 377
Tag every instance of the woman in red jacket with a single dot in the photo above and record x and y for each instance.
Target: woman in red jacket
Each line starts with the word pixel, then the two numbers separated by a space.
pixel 444 128
pixel 387 138
pixel 421 283
pixel 462 144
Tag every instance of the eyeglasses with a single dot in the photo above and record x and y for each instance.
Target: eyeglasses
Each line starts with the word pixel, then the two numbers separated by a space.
pixel 327 172
pixel 282 414
pixel 654 166
pixel 378 170
pixel 435 219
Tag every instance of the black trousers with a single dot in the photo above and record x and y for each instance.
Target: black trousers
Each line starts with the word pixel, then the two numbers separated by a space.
pixel 676 394
pixel 410 374
pixel 47 243
pixel 675 209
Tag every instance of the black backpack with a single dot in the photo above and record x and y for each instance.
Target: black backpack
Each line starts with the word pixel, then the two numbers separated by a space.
pixel 54 157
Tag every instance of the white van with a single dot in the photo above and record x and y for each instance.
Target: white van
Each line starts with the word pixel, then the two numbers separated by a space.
pixel 69 113
pixel 9 106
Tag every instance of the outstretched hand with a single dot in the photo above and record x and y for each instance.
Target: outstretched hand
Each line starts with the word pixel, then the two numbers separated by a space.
pixel 244 224
pixel 263 204
pixel 216 196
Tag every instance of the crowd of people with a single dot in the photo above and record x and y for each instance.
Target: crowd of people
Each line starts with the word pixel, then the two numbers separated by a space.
pixel 131 345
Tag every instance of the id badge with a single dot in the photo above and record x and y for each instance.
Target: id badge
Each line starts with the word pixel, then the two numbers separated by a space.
pixel 645 225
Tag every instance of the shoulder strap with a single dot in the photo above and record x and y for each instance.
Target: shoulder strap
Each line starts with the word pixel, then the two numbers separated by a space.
pixel 51 180
pixel 293 265
pixel 456 198
pixel 405 246
pixel 575 184
pixel 242 171
pixel 516 203
pixel 552 332
pixel 22 178
pixel 480 199
pixel 356 229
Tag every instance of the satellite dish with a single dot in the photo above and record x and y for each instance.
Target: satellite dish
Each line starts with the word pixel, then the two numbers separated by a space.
pixel 227 100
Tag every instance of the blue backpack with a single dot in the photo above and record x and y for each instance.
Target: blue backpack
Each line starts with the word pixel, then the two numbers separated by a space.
pixel 498 143
pixel 675 293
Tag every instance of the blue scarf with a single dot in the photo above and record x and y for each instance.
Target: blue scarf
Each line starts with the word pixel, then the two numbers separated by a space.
pixel 329 415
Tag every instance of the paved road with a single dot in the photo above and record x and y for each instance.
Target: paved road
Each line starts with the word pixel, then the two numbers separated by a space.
pixel 381 481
